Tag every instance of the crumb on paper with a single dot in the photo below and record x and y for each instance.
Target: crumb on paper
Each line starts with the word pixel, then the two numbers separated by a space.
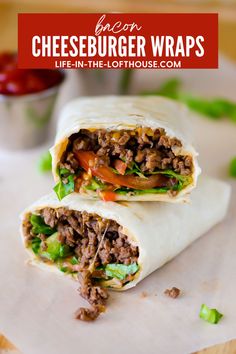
pixel 87 314
pixel 29 262
pixel 173 292
pixel 144 294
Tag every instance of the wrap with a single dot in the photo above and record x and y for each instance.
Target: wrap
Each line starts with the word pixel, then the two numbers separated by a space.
pixel 124 148
pixel 160 231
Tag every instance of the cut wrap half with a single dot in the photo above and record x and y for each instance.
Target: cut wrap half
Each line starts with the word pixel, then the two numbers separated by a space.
pixel 124 148
pixel 116 245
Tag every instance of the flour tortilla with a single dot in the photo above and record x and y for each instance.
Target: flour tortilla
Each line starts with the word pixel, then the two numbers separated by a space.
pixel 160 230
pixel 127 112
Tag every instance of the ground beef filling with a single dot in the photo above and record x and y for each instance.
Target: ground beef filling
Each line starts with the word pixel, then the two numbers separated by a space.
pixel 95 242
pixel 150 149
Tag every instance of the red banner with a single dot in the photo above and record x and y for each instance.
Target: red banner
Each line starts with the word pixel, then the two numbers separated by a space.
pixel 118 41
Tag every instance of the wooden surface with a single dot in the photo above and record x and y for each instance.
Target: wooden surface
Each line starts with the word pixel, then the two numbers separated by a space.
pixel 6 345
pixel 224 348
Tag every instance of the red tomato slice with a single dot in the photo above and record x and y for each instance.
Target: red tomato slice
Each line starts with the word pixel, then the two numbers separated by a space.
pixel 87 161
pixel 108 196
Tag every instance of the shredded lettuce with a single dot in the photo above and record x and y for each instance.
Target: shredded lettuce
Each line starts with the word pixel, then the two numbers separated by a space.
pixel 64 189
pixel 62 268
pixel 124 191
pixel 215 108
pixel 35 244
pixel 210 315
pixel 74 260
pixel 63 264
pixel 55 249
pixel 183 181
pixel 120 271
pixel 168 173
pixel 134 169
pixel 95 184
pixel 39 226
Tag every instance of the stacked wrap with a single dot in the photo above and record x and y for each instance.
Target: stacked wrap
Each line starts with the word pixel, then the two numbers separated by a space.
pixel 127 113
pixel 156 231
pixel 160 230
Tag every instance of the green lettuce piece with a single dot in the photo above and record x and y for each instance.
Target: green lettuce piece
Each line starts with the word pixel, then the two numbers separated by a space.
pixel 66 270
pixel 215 108
pixel 35 244
pixel 169 173
pixel 55 249
pixel 63 269
pixel 131 170
pixel 64 189
pixel 170 89
pixel 183 181
pixel 124 191
pixel 39 226
pixel 63 172
pixel 74 261
pixel 232 168
pixel 95 184
pixel 160 190
pixel 134 169
pixel 62 264
pixel 210 315
pixel 120 271
pixel 64 251
pixel 45 162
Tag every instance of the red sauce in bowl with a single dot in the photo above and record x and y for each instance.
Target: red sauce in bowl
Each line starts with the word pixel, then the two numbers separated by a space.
pixel 15 82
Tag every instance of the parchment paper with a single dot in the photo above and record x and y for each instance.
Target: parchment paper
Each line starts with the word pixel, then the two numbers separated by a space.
pixel 36 307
